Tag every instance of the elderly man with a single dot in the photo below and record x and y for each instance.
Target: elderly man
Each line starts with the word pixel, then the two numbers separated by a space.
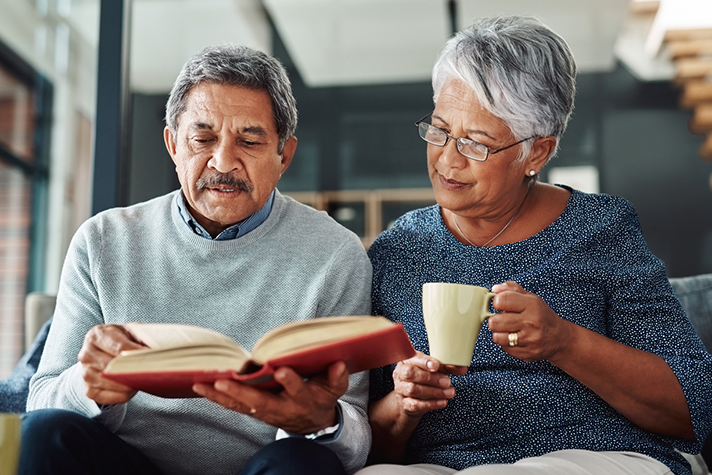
pixel 229 252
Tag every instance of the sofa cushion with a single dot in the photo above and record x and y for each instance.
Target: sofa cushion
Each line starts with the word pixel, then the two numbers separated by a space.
pixel 695 294
pixel 15 388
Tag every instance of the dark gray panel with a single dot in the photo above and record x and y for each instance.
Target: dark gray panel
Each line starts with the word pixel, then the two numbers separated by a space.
pixel 651 159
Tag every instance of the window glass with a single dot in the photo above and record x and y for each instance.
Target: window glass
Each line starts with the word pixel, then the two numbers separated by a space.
pixel 15 219
pixel 17 121
pixel 23 180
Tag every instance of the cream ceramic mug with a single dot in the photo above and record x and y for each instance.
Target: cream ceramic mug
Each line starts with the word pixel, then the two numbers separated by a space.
pixel 9 443
pixel 453 315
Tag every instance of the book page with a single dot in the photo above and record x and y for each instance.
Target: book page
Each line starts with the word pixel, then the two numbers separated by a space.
pixel 203 358
pixel 310 333
pixel 169 335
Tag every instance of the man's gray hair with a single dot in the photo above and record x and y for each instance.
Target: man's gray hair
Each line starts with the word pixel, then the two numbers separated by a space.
pixel 520 71
pixel 237 66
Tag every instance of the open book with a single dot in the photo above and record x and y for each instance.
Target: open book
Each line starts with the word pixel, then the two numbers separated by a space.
pixel 180 355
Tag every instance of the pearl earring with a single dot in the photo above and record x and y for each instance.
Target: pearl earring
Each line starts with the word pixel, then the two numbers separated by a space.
pixel 532 172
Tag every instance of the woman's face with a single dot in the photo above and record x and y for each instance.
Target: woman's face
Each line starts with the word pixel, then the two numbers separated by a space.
pixel 464 186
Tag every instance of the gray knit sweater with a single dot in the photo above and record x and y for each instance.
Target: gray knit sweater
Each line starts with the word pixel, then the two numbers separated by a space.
pixel 143 263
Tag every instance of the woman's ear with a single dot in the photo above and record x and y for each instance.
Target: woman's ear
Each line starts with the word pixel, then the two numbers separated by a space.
pixel 542 148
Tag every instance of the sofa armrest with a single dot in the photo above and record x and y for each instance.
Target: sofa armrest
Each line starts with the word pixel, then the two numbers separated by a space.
pixel 695 295
pixel 39 307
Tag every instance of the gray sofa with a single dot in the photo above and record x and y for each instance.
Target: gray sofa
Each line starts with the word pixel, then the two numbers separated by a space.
pixel 695 294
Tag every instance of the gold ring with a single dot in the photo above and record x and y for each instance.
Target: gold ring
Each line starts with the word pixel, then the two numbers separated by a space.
pixel 513 339
pixel 253 410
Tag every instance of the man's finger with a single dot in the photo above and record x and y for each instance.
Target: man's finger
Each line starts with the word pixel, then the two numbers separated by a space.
pixel 338 378
pixel 111 339
pixel 232 395
pixel 108 397
pixel 291 381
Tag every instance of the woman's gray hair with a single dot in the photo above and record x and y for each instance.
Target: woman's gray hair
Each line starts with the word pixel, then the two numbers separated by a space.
pixel 237 66
pixel 520 71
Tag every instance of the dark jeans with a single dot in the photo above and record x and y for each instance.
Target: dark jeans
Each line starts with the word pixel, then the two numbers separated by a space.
pixel 64 442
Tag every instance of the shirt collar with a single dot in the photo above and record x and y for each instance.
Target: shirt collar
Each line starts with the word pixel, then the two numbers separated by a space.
pixel 233 232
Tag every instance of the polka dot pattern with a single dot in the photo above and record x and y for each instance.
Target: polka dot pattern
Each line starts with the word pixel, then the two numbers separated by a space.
pixel 592 267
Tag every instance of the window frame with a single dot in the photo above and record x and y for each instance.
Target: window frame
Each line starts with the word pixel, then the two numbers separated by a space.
pixel 37 171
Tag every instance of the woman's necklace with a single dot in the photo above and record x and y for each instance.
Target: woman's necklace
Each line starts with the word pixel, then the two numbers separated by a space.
pixel 454 218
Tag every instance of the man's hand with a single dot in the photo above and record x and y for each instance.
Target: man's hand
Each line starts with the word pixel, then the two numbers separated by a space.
pixel 303 407
pixel 101 344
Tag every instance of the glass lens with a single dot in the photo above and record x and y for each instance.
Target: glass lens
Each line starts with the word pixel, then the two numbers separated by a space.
pixel 472 149
pixel 432 134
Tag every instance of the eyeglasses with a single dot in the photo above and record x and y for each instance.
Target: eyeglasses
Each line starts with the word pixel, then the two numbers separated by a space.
pixel 469 148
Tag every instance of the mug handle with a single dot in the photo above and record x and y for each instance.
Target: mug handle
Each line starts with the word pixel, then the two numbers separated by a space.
pixel 486 304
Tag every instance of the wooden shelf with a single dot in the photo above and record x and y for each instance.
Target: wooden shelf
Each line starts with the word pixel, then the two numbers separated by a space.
pixel 691 48
pixel 696 92
pixel 701 121
pixel 692 68
pixel 688 34
pixel 706 148
pixel 372 201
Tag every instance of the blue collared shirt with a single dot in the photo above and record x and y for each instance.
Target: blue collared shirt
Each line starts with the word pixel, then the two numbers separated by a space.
pixel 233 232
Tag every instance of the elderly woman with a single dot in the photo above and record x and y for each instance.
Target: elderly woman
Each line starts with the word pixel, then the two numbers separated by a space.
pixel 590 365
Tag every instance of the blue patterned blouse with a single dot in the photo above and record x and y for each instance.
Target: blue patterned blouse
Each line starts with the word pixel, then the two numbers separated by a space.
pixel 592 267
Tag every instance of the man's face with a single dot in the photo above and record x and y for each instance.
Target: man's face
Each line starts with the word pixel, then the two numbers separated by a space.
pixel 226 153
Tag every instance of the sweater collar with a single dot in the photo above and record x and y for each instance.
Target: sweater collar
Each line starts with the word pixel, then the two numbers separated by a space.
pixel 233 232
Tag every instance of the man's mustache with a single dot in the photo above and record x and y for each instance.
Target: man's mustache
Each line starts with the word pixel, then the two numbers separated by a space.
pixel 216 179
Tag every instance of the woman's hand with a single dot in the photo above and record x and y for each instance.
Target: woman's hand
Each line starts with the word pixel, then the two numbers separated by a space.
pixel 422 384
pixel 639 385
pixel 539 333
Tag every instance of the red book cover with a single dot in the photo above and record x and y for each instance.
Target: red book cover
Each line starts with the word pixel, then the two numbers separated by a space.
pixel 360 353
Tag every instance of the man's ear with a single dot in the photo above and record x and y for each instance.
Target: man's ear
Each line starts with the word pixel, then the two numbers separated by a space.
pixel 290 147
pixel 170 143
